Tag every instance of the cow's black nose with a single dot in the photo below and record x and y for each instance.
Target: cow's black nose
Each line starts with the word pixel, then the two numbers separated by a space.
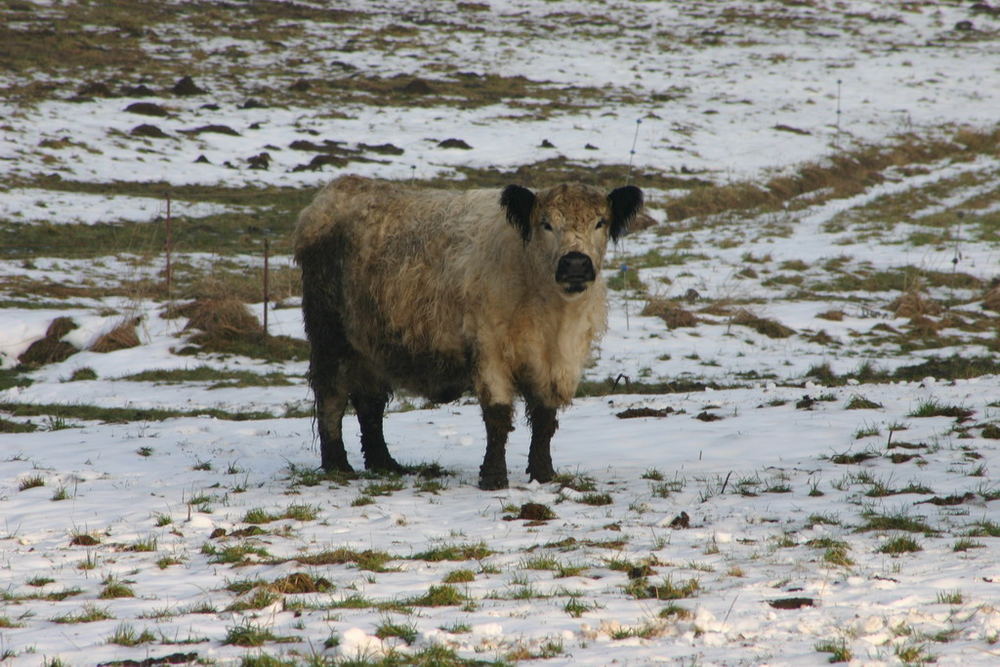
pixel 576 268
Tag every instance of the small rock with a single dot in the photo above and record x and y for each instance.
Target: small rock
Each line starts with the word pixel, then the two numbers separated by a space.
pixel 213 129
pixel 707 417
pixel 141 90
pixel 384 149
pixel 95 89
pixel 681 521
pixel 253 104
pixel 964 26
pixel 591 147
pixel 260 161
pixel 186 86
pixel 536 512
pixel 146 130
pixel 454 143
pixel 202 160
pixel 546 144
pixel 146 109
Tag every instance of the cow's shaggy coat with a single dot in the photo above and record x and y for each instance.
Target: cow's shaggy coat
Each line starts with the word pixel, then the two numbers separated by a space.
pixel 440 292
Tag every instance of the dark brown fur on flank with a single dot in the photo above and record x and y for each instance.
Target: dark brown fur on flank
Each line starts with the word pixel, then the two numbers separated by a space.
pixel 439 292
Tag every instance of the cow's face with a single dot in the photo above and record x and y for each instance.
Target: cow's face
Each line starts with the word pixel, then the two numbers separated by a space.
pixel 565 229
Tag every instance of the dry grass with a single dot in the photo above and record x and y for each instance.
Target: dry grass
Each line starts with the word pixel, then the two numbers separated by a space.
pixel 836 177
pixel 670 312
pixel 220 317
pixel 768 327
pixel 913 304
pixel 121 337
pixel 50 349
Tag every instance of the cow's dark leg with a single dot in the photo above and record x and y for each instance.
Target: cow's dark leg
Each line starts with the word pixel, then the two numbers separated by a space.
pixel 543 427
pixel 371 411
pixel 330 407
pixel 499 420
pixel 326 372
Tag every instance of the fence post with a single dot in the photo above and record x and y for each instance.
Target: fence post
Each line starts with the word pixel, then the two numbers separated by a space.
pixel 267 271
pixel 168 247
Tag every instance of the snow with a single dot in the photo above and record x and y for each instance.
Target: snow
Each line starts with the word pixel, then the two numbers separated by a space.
pixel 753 463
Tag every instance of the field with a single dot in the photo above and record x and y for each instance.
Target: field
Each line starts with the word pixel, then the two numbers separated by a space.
pixel 783 451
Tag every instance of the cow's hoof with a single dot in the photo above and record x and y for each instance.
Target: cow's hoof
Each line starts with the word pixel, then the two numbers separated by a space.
pixel 541 476
pixel 492 482
pixel 386 465
pixel 337 466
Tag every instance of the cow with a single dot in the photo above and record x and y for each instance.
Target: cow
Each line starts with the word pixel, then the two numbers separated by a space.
pixel 439 292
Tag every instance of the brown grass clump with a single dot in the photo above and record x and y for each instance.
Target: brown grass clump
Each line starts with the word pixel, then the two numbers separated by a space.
pixel 762 325
pixel 991 301
pixel 669 312
pixel 122 337
pixel 223 317
pixel 923 327
pixel 832 315
pixel 50 349
pixel 300 582
pixel 914 304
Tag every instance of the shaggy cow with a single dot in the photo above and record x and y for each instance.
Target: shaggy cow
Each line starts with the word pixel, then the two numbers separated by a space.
pixel 441 292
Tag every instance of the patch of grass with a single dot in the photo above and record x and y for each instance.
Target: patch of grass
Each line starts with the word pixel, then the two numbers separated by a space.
pixel 439 596
pixel 899 521
pixel 950 597
pixel 577 482
pixel 899 545
pixel 369 559
pixel 455 552
pixel 116 589
pixel 933 408
pixel 120 415
pixel 296 512
pixel 88 614
pixel 405 631
pixel 965 543
pixel 235 553
pixel 859 402
pixel 838 649
pixel 641 588
pixel 459 577
pixel 145 545
pixel 39 581
pixel 81 374
pixel 577 608
pixel 32 482
pixel 125 635
pixel 248 633
pixel 383 487
pixel 985 528
pixel 597 499
pixel 258 599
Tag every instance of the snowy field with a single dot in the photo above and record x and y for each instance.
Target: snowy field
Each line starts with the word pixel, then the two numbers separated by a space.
pixel 783 452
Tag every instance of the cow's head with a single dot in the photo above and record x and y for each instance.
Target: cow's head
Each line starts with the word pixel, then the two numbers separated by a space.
pixel 565 229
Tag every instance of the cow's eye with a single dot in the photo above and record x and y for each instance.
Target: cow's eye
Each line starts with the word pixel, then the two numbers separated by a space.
pixel 546 226
pixel 601 223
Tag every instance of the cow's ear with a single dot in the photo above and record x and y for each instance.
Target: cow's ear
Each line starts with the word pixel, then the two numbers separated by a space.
pixel 624 202
pixel 517 202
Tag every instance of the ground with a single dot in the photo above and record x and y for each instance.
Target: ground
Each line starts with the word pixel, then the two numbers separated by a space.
pixel 781 453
